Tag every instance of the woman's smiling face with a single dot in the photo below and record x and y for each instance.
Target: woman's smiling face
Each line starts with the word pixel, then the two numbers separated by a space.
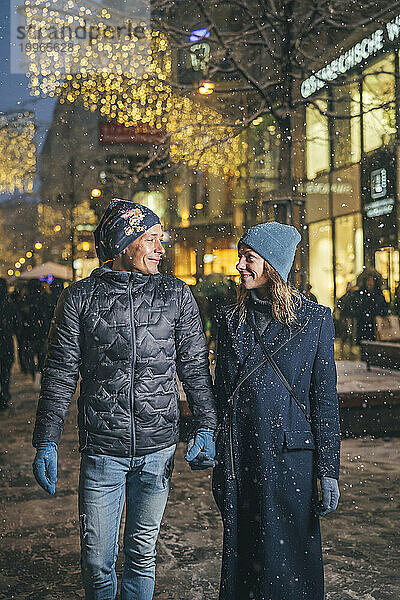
pixel 251 267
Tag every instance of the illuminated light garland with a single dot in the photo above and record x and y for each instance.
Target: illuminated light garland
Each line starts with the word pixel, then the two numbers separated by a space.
pixel 124 93
pixel 18 153
pixel 54 50
pixel 197 132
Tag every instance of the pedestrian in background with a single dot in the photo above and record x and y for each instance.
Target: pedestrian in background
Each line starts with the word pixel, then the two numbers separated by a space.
pixel 36 313
pixel 6 343
pixel 308 293
pixel 396 306
pixel 344 319
pixel 368 302
pixel 275 386
pixel 17 298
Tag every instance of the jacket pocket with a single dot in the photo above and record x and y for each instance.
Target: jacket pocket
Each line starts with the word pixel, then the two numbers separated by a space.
pixel 298 440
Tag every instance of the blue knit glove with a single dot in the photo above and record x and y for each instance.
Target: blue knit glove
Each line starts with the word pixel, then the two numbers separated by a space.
pixel 330 496
pixel 45 466
pixel 201 450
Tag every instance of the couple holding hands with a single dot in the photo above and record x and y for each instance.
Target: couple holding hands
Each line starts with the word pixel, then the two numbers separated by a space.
pixel 268 426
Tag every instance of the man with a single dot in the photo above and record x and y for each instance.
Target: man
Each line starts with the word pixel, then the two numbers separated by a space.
pixel 127 330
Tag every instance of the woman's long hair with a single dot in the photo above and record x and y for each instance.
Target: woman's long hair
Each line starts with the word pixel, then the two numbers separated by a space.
pixel 283 298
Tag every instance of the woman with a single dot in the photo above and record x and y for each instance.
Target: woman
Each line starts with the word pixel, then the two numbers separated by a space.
pixel 273 444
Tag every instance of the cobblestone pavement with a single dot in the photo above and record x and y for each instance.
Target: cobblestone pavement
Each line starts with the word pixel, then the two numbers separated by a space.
pixel 39 553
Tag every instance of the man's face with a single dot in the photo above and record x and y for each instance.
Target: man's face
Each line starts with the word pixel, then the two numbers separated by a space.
pixel 251 267
pixel 145 253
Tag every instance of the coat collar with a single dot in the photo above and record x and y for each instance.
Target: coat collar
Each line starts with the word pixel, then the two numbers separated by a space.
pixel 275 337
pixel 123 278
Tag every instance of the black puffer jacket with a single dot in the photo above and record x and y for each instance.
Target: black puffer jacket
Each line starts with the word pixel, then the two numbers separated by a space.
pixel 128 335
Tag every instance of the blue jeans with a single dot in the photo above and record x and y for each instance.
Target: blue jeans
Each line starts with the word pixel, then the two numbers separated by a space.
pixel 104 484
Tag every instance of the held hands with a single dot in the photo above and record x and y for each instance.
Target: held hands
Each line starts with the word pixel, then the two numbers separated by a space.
pixel 201 450
pixel 45 466
pixel 330 496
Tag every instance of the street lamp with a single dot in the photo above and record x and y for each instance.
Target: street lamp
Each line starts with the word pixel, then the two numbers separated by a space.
pixel 96 193
pixel 206 88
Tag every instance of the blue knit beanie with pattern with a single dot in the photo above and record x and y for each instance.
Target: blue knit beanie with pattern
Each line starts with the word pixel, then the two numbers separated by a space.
pixel 275 242
pixel 122 223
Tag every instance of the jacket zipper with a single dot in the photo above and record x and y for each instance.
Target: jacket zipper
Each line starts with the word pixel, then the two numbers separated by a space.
pixel 133 338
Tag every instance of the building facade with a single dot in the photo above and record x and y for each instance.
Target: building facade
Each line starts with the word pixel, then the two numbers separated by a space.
pixel 351 182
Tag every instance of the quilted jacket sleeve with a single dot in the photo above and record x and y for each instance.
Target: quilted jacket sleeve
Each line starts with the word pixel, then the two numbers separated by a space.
pixel 61 371
pixel 324 402
pixel 192 362
pixel 221 368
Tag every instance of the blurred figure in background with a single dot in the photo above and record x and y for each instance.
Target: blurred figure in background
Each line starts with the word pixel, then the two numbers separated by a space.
pixel 6 343
pixel 344 320
pixel 308 293
pixel 396 306
pixel 36 311
pixel 368 302
pixel 17 297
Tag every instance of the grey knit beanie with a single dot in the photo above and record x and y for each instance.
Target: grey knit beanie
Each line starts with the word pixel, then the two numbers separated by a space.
pixel 275 242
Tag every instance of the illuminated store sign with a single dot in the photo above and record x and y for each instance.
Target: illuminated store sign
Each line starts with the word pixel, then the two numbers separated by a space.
pixel 378 183
pixel 379 207
pixel 351 58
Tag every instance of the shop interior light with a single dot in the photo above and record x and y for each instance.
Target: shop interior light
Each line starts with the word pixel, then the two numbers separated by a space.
pixel 206 88
pixel 257 121
pixel 96 193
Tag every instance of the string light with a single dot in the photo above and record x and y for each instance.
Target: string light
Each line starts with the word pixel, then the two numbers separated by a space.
pixel 132 88
pixel 18 152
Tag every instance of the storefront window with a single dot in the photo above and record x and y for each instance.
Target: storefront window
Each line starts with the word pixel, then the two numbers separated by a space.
pixel 221 261
pixel 387 263
pixel 317 135
pixel 349 250
pixel 378 94
pixel 320 261
pixel 346 127
pixel 185 263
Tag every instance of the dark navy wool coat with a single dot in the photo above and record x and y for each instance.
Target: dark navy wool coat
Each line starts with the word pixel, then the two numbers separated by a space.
pixel 269 456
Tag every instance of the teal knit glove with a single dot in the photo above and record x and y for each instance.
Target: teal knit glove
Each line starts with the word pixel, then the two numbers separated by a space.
pixel 201 450
pixel 330 496
pixel 45 466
